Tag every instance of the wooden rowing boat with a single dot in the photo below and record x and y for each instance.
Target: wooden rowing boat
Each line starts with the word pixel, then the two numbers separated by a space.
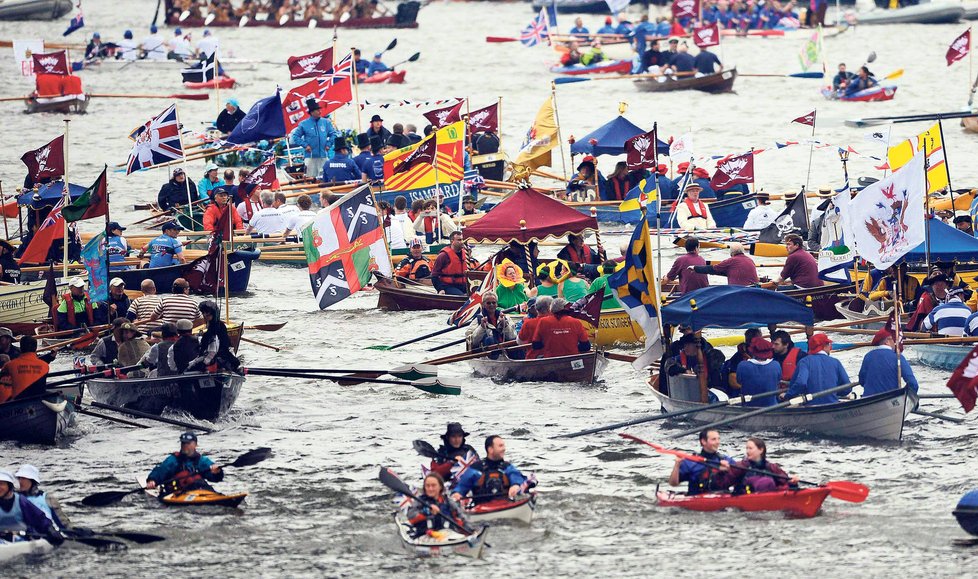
pixel 942 356
pixel 405 17
pixel 822 299
pixel 68 104
pixel 239 273
pixel 203 395
pixel 871 309
pixel 579 368
pixel 38 420
pixel 22 307
pixel 397 298
pixel 720 82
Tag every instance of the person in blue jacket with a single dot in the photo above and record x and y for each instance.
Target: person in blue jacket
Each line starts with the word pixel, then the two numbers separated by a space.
pixel 373 165
pixel 759 374
pixel 643 30
pixel 608 27
pixel 209 182
pixel 377 65
pixel 18 513
pixel 360 64
pixel 863 81
pixel 316 135
pixel 185 470
pixel 818 371
pixel 702 477
pixel 341 167
pixel 363 144
pixel 166 249
pixel 30 488
pixel 878 371
pixel 624 25
pixel 491 477
pixel 579 29
pixel 667 189
pixel 116 245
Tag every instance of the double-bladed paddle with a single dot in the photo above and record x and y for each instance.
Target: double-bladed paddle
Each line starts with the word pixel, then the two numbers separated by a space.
pixel 428 451
pixel 140 538
pixel 413 58
pixel 394 483
pixel 842 490
pixel 104 498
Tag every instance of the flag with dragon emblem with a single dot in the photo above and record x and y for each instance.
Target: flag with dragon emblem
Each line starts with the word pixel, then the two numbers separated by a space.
pixel 887 218
pixel 311 65
pixel 738 170
pixel 344 244
pixel 640 151
pixel 443 117
pixel 485 119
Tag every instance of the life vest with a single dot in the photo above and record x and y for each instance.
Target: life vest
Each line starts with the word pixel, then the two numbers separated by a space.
pixel 188 477
pixel 24 372
pixel 697 210
pixel 162 368
pixel 454 272
pixel 70 309
pixel 117 248
pixel 40 501
pixel 111 350
pixel 685 363
pixel 493 480
pixel 184 351
pixel 13 520
pixel 576 257
pixel 409 267
pixel 790 364
pixel 619 187
pixel 704 481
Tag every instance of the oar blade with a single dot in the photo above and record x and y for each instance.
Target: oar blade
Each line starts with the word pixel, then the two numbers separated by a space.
pixel 424 449
pixel 190 97
pixel 391 45
pixel 252 457
pixel 414 371
pixel 810 74
pixel 140 538
pixel 570 79
pixel 381 348
pixel 390 480
pixel 414 57
pixel 437 386
pixel 848 491
pixel 101 544
pixel 106 498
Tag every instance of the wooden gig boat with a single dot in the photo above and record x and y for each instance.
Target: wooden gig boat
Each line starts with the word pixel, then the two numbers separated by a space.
pixel 580 368
pixel 68 104
pixel 942 356
pixel 720 82
pixel 397 298
pixel 203 395
pixel 22 307
pixel 405 17
pixel 823 299
pixel 239 273
pixel 39 420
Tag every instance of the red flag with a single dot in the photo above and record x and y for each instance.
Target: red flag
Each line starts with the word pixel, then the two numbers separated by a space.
pixel 443 117
pixel 685 8
pixel 588 308
pixel 331 92
pixel 733 171
pixel 51 228
pixel 311 65
pixel 263 176
pixel 808 119
pixel 46 162
pixel 964 381
pixel 485 119
pixel 640 151
pixel 51 63
pixel 425 153
pixel 959 48
pixel 707 36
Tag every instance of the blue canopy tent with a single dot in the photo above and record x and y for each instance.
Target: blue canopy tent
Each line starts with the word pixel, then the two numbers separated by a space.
pixel 947 244
pixel 727 306
pixel 48 194
pixel 611 138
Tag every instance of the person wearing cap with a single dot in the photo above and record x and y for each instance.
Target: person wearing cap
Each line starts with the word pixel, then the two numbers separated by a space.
pixel 760 373
pixel 116 245
pixel 76 307
pixel 216 210
pixel 468 206
pixel 359 64
pixel 179 46
pixel 962 222
pixel 29 479
pixel 133 346
pixel 786 354
pixel 18 513
pixel 401 230
pixel 693 214
pixel 208 44
pixel 762 215
pixel 154 46
pixel 118 303
pixel 609 27
pixel 215 353
pixel 377 130
pixel 377 65
pixel 864 80
pixel 230 116
pixel 341 168
pixel 7 343
pixel 210 181
pixel 878 371
pixel 155 359
pixel 800 268
pixel 165 250
pixel 315 135
pixel 184 349
pixel 416 265
pixel 185 470
pixel 142 308
pixel 298 220
pixel 127 49
pixel 689 280
pixel 739 268
pixel 950 317
pixel 818 371
pixel 667 189
pixel 107 348
pixel 453 448
pixel 595 55
pixel 25 375
pixel 96 49
pixel 9 268
pixel 176 192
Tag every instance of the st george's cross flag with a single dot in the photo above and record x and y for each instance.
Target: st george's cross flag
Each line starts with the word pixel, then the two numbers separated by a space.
pixel 959 48
pixel 47 161
pixel 311 65
pixel 343 245
pixel 737 170
pixel 156 142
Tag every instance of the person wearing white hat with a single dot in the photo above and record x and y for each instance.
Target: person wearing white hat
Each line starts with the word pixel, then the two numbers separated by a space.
pixel 29 479
pixel 117 305
pixel 211 180
pixel 76 307
pixel 7 343
pixel 19 514
pixel 692 214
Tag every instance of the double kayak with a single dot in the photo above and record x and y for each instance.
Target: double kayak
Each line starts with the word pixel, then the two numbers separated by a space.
pixel 195 498
pixel 519 509
pixel 390 77
pixel 220 82
pixel 14 546
pixel 441 543
pixel 606 67
pixel 872 94
pixel 802 503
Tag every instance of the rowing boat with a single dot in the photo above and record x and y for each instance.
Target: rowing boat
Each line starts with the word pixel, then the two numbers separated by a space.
pixel 942 356
pixel 731 211
pixel 924 13
pixel 616 328
pixel 398 298
pixel 14 546
pixel 803 503
pixel 821 299
pixel 40 420
pixel 202 395
pixel 879 417
pixel 579 368
pixel 22 307
pixel 221 82
pixel 605 67
pixel 521 509
pixel 405 17
pixel 389 77
pixel 68 104
pixel 34 9
pixel 195 498
pixel 239 273
pixel 871 309
pixel 967 512
pixel 719 82
pixel 872 94
pixel 444 542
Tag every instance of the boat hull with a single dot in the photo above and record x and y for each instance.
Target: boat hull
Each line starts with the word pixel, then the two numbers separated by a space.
pixel 389 77
pixel 68 104
pixel 34 9
pixel 239 273
pixel 580 368
pixel 203 395
pixel 405 17
pixel 616 327
pixel 611 67
pixel 520 509
pixel 452 544
pixel 966 512
pixel 221 82
pixel 874 94
pixel 942 356
pixel 35 420
pixel 720 82
pixel 400 299
pixel 22 306
pixel 17 549
pixel 823 299
pixel 731 211
pixel 925 13
pixel 803 503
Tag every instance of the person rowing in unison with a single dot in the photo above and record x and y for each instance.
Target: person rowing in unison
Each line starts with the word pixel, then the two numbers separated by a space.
pixel 453 447
pixel 800 268
pixel 490 328
pixel 739 268
pixel 491 477
pixel 18 513
pixel 429 512
pixel 760 373
pixel 877 373
pixel 949 318
pixel 703 477
pixel 744 480
pixel 689 280
pixel 185 470
pixel 818 371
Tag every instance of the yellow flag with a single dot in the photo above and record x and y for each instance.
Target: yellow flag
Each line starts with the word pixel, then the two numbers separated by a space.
pixel 540 139
pixel 900 155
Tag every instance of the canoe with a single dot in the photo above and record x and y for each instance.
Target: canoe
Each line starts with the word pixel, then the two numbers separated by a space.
pixel 450 542
pixel 34 9
pixel 221 82
pixel 12 546
pixel 924 13
pixel 197 498
pixel 239 273
pixel 802 503
pixel 874 94
pixel 69 104
pixel 579 368
pixel 396 298
pixel 405 17
pixel 879 417
pixel 967 512
pixel 389 77
pixel 202 395
pixel 719 82
pixel 942 356
pixel 607 67
pixel 521 509
pixel 39 420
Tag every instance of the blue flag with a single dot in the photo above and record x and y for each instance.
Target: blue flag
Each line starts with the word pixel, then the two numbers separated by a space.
pixel 636 289
pixel 263 121
pixel 78 21
pixel 93 256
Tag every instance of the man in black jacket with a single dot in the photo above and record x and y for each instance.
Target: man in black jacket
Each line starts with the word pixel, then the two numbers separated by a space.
pixel 174 191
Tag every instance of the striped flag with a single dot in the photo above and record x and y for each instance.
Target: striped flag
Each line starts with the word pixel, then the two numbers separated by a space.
pixel 536 31
pixel 636 290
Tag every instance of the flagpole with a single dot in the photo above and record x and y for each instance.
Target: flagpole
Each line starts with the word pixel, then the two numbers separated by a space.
pixel 105 237
pixel 927 215
pixel 753 184
pixel 467 138
pixel 658 198
pixel 217 80
pixel 886 152
pixel 947 168
pixel 897 318
pixel 499 120
pixel 186 175
pixel 229 207
pixel 434 165
pixel 356 91
pixel 560 140
pixel 6 232
pixel 811 150
pixel 66 195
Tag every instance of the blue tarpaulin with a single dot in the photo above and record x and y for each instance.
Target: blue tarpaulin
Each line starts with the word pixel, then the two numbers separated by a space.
pixel 611 139
pixel 946 244
pixel 49 194
pixel 727 306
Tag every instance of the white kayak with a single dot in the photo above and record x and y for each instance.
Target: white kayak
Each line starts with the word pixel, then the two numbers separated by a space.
pixel 10 550
pixel 441 543
pixel 520 509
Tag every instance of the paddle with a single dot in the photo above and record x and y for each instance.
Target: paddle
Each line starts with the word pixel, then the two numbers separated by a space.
pixel 262 344
pixel 428 451
pixel 497 39
pixel 104 498
pixel 433 385
pixel 140 538
pixel 389 46
pixel 796 401
pixel 87 412
pixel 573 79
pixel 146 415
pixel 874 121
pixel 953 419
pixel 266 327
pixel 183 96
pixel 448 345
pixel 413 58
pixel 512 344
pixel 843 490
pixel 811 74
pixel 404 372
pixel 391 481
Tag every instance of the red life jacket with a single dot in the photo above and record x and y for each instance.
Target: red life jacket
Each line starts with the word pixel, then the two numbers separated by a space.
pixel 70 309
pixel 696 211
pixel 577 257
pixel 410 270
pixel 454 273
pixel 619 187
pixel 789 365
pixel 185 479
pixel 684 361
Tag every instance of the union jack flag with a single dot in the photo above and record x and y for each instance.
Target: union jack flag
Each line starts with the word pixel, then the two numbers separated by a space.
pixel 156 142
pixel 462 464
pixel 536 31
pixel 472 180
pixel 331 92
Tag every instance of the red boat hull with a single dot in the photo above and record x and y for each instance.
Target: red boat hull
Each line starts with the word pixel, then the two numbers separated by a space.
pixel 803 503
pixel 390 77
pixel 222 82
pixel 612 67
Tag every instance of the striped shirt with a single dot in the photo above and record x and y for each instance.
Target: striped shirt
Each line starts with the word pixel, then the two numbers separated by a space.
pixel 947 319
pixel 142 308
pixel 971 325
pixel 174 307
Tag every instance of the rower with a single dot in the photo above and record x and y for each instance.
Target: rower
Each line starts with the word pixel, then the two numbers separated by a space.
pixel 491 477
pixel 842 78
pixel 576 251
pixel 298 220
pixel 728 370
pixel 818 371
pixel 579 29
pixel 654 60
pixel 490 327
pixel 573 54
pixel 687 361
pixel 706 63
pixel 682 61
pixel 416 265
pixel 229 117
pixel 962 222
pixel 537 309
pixel 215 353
pixel 608 28
pixel 268 220
pixel 116 245
pixel 118 303
pixel 127 47
pixel 154 46
pixel 18 513
pixel 341 168
pixel 30 487
pixel 863 81
pixel 401 231
pixel 428 512
pixel 744 481
pixel 641 32
pixel 377 65
pixel 76 308
pixel 448 274
pixel 250 205
pixel 762 215
pixel 155 360
pixel 877 373
pixel 208 44
pixel 608 301
pixel 165 250
pixel 216 210
pixel 133 346
pixel 179 46
pixel 949 318
pixel 95 48
pixel 25 375
pixel 107 348
pixel 7 343
pixel 760 373
pixel 689 280
pixel 453 447
pixel 184 350
pixel 800 267
pixel 593 56
pixel 185 470
pixel 786 354
pixel 738 268
pixel 177 305
pixel 373 165
pixel 934 292
pixel 703 477
pixel 142 308
pixel 560 334
pixel 511 287
pixel 693 214
pixel 316 135
pixel 177 191
pixel 359 64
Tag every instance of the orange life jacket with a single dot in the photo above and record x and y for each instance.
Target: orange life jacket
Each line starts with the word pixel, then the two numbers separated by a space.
pixel 454 273
pixel 789 365
pixel 24 371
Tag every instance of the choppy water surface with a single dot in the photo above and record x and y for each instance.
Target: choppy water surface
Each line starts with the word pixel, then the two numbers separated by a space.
pixel 316 508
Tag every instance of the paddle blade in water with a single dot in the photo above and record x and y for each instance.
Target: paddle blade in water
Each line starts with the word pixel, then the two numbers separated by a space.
pixel 414 371
pixel 106 498
pixel 437 386
pixel 184 15
pixel 381 348
pixel 424 449
pixel 848 491
pixel 141 538
pixel 313 23
pixel 252 457
pixel 101 544
pixel 243 22
pixel 283 20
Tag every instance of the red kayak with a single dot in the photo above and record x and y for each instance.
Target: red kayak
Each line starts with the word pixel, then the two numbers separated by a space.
pixel 872 94
pixel 221 82
pixel 390 77
pixel 803 503
pixel 607 67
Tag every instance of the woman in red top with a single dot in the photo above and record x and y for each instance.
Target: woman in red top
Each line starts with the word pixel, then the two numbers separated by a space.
pixel 560 334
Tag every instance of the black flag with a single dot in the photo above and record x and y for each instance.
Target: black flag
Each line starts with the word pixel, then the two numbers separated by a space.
pixel 794 219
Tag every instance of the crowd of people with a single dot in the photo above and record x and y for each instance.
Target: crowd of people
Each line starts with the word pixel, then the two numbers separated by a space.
pixel 155 46
pixel 226 11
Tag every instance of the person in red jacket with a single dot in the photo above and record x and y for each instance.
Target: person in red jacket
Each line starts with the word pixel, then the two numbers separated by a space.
pixel 560 334
pixel 749 481
pixel 541 309
pixel 213 214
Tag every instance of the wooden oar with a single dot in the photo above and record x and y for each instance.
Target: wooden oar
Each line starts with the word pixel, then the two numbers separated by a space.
pixel 262 344
pixel 473 355
pixel 843 490
pixel 813 74
pixel 413 340
pixel 431 385
pixel 146 415
pixel 575 79
pixel 139 538
pixel 448 345
pixel 182 96
pixel 108 497
pixel 394 483
pixel 405 372
pixel 835 325
pixel 87 412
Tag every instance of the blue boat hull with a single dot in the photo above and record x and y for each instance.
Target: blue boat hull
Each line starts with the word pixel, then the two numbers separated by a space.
pixel 730 212
pixel 239 273
pixel 967 512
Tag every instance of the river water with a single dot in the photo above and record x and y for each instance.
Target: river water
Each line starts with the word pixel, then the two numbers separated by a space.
pixel 317 509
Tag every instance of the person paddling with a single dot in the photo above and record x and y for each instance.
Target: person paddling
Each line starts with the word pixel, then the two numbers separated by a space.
pixel 703 477
pixel 30 487
pixel 453 447
pixel 18 513
pixel 429 512
pixel 744 481
pixel 491 477
pixel 185 470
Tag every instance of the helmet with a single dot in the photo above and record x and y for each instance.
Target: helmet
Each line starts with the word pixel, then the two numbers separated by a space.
pixel 188 437
pixel 29 471
pixel 210 306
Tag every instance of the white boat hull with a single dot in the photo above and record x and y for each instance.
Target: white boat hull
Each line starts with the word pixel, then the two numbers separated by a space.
pixel 453 543
pixel 14 550
pixel 941 356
